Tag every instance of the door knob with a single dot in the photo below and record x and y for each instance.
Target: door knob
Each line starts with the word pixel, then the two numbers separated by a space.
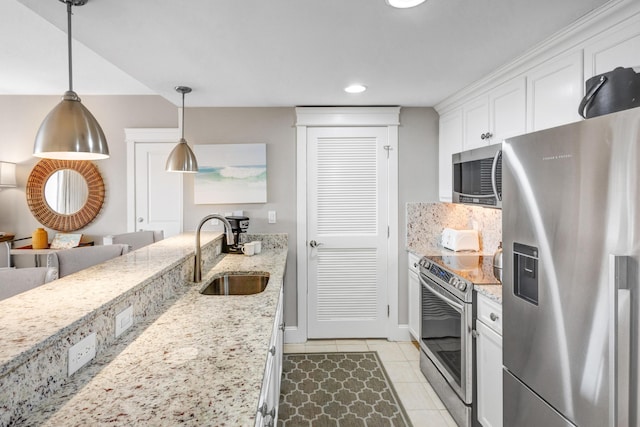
pixel 140 219
pixel 314 244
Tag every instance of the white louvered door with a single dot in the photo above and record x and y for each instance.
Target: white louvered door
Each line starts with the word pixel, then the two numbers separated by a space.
pixel 348 219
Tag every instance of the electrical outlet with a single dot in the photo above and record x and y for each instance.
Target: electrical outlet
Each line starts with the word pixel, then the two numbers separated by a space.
pixel 124 320
pixel 272 217
pixel 81 353
pixel 218 248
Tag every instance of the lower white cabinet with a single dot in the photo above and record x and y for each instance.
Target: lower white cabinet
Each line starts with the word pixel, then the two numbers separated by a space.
pixel 489 362
pixel 269 400
pixel 414 296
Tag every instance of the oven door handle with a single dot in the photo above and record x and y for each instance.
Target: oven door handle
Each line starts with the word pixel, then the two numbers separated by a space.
pixel 458 307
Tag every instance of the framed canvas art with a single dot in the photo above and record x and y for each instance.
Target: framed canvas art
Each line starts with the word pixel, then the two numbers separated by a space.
pixel 230 173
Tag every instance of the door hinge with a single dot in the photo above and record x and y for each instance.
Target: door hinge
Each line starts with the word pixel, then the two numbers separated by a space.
pixel 388 311
pixel 388 232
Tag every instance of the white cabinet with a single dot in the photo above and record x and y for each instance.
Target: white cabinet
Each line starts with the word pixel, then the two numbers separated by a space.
pixel 414 296
pixel 489 362
pixel 450 142
pixel 554 92
pixel 500 114
pixel 269 400
pixel 508 110
pixel 617 47
pixel 476 123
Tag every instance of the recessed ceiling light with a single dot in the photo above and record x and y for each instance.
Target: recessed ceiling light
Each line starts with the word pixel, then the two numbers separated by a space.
pixel 355 88
pixel 404 4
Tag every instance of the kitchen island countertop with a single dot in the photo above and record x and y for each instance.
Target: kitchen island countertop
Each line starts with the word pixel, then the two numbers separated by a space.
pixel 200 361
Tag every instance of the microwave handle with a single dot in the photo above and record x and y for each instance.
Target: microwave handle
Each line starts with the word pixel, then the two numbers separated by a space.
pixel 494 167
pixel 476 196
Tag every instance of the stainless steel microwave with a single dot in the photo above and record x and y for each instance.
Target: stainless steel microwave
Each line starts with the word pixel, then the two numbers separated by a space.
pixel 477 176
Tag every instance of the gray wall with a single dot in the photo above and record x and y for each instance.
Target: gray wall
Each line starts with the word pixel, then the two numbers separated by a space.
pixel 20 117
pixel 418 180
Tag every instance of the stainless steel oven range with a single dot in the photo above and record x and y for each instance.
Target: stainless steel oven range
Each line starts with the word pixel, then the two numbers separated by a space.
pixel 446 344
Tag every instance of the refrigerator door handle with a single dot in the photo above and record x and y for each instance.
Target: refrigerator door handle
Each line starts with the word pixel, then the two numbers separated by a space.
pixel 620 341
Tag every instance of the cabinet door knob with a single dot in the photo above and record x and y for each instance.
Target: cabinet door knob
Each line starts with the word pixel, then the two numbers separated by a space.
pixel 482 136
pixel 493 317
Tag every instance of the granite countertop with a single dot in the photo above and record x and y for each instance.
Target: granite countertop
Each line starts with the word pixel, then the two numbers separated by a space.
pixel 66 301
pixel 200 362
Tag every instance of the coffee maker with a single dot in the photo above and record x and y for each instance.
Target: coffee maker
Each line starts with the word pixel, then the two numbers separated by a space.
pixel 239 224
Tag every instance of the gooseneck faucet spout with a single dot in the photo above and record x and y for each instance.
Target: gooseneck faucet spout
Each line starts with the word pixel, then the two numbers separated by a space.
pixel 197 269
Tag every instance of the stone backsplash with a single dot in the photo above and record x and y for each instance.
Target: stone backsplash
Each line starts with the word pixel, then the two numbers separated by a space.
pixel 425 222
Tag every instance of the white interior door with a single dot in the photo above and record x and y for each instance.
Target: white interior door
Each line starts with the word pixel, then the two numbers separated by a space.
pixel 158 203
pixel 154 196
pixel 347 232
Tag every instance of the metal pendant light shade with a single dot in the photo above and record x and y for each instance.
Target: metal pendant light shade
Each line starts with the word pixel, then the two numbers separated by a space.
pixel 70 131
pixel 181 158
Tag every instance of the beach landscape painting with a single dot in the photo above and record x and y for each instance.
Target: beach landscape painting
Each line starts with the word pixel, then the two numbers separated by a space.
pixel 230 173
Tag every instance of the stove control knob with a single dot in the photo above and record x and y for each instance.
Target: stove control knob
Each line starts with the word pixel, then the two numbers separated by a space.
pixel 462 285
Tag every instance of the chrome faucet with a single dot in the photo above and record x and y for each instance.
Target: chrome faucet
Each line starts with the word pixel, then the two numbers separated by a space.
pixel 197 269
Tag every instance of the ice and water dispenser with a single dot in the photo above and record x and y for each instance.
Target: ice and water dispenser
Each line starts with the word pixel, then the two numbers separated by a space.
pixel 525 272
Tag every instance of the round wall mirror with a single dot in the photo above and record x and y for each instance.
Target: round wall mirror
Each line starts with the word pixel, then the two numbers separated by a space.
pixel 66 191
pixel 65 195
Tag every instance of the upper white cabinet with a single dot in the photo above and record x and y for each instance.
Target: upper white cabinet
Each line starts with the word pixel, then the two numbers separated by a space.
pixel 450 142
pixel 618 47
pixel 554 92
pixel 476 123
pixel 507 110
pixel 491 118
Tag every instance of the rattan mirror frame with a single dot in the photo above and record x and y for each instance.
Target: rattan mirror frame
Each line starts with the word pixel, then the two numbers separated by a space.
pixel 52 219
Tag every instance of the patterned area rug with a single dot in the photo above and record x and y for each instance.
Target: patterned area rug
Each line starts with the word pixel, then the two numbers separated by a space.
pixel 338 389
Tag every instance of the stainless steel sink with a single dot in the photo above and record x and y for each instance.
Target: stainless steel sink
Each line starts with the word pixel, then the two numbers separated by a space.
pixel 237 284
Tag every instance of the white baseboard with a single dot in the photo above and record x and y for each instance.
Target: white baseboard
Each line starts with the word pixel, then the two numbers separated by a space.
pixel 401 333
pixel 294 336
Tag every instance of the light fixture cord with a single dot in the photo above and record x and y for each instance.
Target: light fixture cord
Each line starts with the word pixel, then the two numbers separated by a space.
pixel 182 115
pixel 69 44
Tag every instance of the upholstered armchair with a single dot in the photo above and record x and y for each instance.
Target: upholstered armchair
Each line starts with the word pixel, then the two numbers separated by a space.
pixel 135 239
pixel 14 281
pixel 72 260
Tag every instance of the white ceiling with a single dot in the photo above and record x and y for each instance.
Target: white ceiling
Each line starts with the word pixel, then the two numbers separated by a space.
pixel 272 52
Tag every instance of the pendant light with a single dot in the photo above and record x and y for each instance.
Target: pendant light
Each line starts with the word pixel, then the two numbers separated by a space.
pixel 70 131
pixel 182 158
pixel 404 4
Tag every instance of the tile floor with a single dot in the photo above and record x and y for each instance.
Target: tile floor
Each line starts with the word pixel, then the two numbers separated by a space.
pixel 401 361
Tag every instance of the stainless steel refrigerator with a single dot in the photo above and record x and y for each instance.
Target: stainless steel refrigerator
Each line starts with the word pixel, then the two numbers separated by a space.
pixel 571 242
